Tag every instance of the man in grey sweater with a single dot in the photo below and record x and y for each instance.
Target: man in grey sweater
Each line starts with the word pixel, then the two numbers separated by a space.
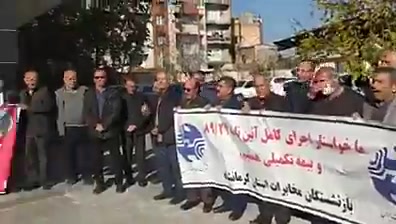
pixel 72 127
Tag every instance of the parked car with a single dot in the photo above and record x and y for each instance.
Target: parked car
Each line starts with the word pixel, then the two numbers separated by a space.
pixel 246 89
pixel 277 83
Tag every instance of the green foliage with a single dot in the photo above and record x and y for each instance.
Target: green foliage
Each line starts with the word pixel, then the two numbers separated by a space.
pixel 355 29
pixel 118 31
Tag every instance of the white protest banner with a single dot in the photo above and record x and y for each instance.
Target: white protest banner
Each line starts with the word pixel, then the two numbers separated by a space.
pixel 336 168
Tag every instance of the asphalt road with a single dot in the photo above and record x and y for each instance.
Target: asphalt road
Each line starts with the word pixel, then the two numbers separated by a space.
pixel 77 205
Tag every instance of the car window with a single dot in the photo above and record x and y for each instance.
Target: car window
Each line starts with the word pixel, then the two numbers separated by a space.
pixel 249 84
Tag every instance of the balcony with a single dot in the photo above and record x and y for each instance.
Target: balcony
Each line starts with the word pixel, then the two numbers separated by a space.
pixel 189 29
pixel 219 56
pixel 189 9
pixel 219 37
pixel 218 17
pixel 218 2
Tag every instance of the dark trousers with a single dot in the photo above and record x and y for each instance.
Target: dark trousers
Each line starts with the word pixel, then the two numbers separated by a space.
pixel 78 153
pixel 168 169
pixel 116 161
pixel 269 210
pixel 200 194
pixel 137 142
pixel 36 159
pixel 319 220
pixel 235 202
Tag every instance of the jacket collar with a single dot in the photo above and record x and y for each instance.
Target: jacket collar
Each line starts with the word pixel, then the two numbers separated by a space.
pixel 390 117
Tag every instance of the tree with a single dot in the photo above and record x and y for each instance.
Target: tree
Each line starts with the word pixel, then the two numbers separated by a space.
pixel 354 29
pixel 116 34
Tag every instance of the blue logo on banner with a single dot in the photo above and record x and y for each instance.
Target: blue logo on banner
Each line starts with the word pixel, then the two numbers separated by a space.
pixel 190 143
pixel 382 170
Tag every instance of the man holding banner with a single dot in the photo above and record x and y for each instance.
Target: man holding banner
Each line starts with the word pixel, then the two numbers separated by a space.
pixel 227 99
pixel 266 100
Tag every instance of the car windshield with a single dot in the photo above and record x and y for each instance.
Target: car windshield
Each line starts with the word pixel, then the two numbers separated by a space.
pixel 248 84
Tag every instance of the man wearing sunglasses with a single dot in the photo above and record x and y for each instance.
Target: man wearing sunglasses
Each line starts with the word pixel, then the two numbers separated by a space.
pixel 102 112
pixel 192 99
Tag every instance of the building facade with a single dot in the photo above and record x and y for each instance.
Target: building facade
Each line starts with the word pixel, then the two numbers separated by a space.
pixel 218 32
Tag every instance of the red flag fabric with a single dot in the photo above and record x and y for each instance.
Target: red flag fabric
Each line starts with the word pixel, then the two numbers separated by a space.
pixel 8 129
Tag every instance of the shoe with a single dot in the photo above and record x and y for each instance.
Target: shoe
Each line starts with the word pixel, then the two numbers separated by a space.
pixel 99 188
pixel 47 187
pixel 207 208
pixel 221 209
pixel 142 183
pixel 88 181
pixel 235 216
pixel 71 182
pixel 120 189
pixel 31 186
pixel 130 181
pixel 177 200
pixel 162 196
pixel 259 220
pixel 189 205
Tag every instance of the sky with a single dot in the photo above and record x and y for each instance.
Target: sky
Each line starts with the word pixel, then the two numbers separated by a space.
pixel 278 15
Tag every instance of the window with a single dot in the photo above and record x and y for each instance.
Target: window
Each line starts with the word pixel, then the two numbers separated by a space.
pixel 161 41
pixel 159 20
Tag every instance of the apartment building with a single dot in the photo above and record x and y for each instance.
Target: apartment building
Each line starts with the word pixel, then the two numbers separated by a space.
pixel 248 30
pixel 189 34
pixel 248 38
pixel 218 32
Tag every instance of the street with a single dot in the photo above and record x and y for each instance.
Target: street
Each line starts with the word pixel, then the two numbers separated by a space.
pixel 65 205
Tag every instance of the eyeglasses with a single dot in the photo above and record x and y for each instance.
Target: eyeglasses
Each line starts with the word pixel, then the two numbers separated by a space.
pixel 99 77
pixel 187 90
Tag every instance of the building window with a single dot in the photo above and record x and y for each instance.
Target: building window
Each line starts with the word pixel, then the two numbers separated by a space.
pixel 161 41
pixel 159 20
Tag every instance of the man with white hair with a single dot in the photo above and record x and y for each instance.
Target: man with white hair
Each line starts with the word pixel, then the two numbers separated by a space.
pixel 330 98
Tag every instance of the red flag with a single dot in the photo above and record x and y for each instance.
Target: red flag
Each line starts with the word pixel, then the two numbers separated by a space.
pixel 8 128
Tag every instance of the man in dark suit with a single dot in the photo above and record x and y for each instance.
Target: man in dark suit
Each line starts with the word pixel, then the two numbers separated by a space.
pixel 165 142
pixel 37 106
pixel 296 91
pixel 136 119
pixel 102 113
pixel 266 100
pixel 227 99
pixel 192 99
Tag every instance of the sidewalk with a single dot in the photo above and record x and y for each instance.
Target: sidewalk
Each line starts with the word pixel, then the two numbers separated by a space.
pixel 77 205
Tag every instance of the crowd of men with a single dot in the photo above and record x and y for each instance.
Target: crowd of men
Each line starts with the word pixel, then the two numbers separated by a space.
pixel 107 118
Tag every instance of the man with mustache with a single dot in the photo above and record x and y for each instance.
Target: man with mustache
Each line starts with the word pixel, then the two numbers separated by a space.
pixel 384 88
pixel 329 98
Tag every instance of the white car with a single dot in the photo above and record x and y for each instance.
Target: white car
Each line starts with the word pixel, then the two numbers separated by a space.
pixel 246 89
pixel 277 84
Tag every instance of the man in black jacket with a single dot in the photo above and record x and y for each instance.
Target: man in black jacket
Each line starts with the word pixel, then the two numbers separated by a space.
pixel 37 106
pixel 102 112
pixel 192 99
pixel 296 91
pixel 165 142
pixel 266 100
pixel 136 118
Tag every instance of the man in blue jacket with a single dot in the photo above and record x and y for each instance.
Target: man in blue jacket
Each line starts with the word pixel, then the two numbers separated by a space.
pixel 236 203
